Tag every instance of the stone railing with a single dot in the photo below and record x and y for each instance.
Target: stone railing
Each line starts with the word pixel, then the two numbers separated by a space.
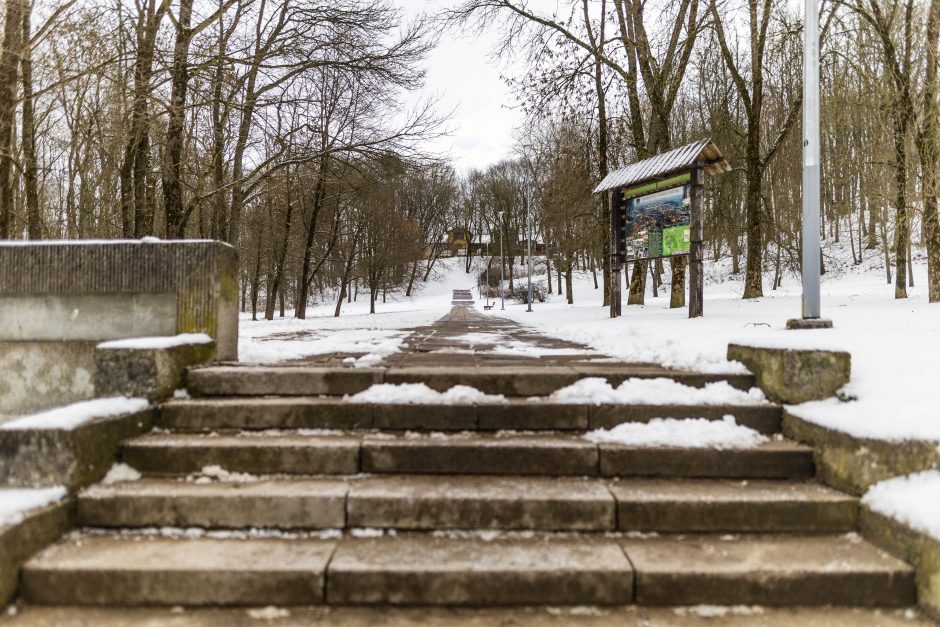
pixel 59 300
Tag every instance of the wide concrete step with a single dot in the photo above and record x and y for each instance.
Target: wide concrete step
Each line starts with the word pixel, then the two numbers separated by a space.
pixel 472 502
pixel 141 570
pixel 514 380
pixel 471 453
pixel 305 412
pixel 551 616
pixel 419 569
pixel 774 571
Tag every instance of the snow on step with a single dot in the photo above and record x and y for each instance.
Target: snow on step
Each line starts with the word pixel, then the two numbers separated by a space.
pixel 517 413
pixel 685 433
pixel 655 391
pixel 501 453
pixel 141 570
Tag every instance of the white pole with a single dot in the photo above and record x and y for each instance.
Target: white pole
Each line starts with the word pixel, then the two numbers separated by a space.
pixel 811 308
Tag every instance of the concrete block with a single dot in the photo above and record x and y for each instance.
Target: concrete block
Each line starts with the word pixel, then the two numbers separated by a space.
pixel 70 457
pixel 772 460
pixel 918 548
pixel 280 380
pixel 732 507
pixel 481 454
pixel 794 376
pixel 21 540
pixel 115 289
pixel 280 504
pixel 131 368
pixel 427 502
pixel 128 570
pixel 772 571
pixel 210 414
pixel 438 571
pixel 40 375
pixel 255 454
pixel 762 418
pixel 854 464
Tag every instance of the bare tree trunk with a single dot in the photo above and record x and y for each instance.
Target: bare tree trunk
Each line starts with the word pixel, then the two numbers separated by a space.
pixel 637 294
pixel 303 286
pixel 173 151
pixel 30 174
pixel 902 234
pixel 677 289
pixel 753 279
pixel 928 140
pixel 9 70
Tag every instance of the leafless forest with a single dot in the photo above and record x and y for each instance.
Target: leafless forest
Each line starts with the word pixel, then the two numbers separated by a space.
pixel 280 127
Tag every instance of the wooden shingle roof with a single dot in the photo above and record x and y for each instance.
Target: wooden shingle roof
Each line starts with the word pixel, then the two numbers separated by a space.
pixel 671 162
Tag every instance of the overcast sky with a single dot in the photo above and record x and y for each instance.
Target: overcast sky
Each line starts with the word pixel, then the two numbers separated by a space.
pixel 463 75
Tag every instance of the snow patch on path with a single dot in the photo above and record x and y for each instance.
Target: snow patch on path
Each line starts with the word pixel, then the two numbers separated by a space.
pixel 374 344
pixel 421 394
pixel 913 500
pixel 685 433
pixel 15 502
pixel 659 391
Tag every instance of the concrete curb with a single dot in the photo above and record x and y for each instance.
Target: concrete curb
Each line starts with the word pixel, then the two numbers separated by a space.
pixel 20 541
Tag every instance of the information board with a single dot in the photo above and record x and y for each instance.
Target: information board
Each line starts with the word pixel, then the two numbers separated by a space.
pixel 658 224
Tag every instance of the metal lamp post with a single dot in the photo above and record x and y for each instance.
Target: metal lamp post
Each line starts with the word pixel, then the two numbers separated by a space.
pixel 502 259
pixel 811 250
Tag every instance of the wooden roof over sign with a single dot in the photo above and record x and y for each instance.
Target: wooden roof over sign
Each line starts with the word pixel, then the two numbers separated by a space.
pixel 671 162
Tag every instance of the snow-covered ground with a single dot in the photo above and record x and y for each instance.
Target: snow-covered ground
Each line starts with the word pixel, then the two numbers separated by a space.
pixel 355 330
pixel 894 343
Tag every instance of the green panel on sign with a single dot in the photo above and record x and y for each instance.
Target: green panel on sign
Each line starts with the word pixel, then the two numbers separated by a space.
pixel 675 240
pixel 648 188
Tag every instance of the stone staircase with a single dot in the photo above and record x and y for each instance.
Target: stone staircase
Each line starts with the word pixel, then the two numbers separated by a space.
pixel 462 298
pixel 267 488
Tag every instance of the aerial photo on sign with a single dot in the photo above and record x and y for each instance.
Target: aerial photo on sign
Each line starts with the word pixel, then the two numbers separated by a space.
pixel 658 224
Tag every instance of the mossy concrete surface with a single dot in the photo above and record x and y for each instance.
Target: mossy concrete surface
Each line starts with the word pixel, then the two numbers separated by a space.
pixel 920 549
pixel 152 373
pixel 794 375
pixel 854 464
pixel 70 457
pixel 19 541
pixel 39 375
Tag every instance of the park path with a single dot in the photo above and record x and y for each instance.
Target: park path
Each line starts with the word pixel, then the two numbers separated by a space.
pixel 270 486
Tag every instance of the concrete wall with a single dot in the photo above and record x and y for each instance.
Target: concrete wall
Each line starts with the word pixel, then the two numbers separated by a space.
pixel 58 299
